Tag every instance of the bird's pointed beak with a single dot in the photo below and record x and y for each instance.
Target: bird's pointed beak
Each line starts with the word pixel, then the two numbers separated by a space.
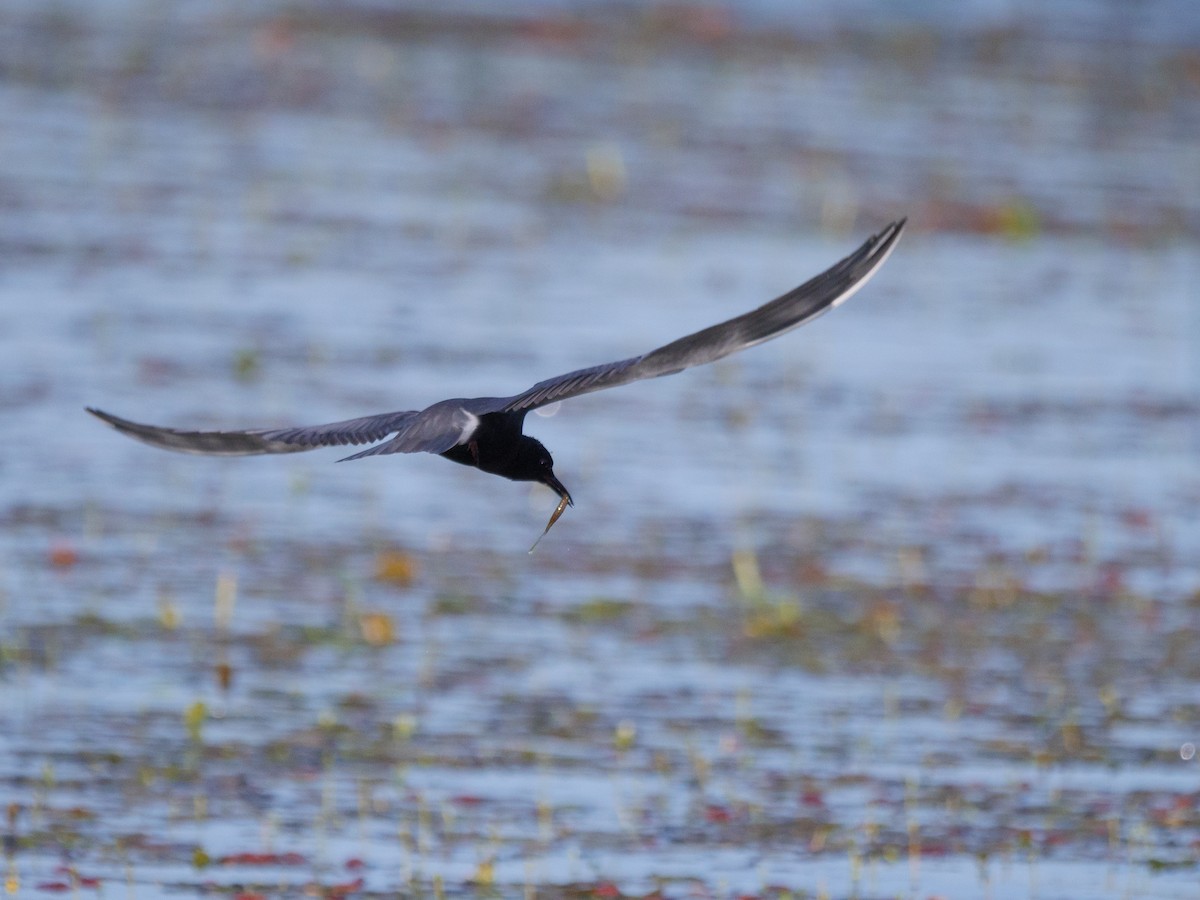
pixel 557 486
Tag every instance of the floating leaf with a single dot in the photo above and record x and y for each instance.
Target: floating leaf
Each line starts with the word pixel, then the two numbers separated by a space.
pixel 404 726
pixel 485 873
pixel 224 600
pixel 717 814
pixel 63 555
pixel 193 719
pixel 247 364
pixel 224 675
pixel 378 628
pixel 625 735
pixel 168 613
pixel 395 567
pixel 344 888
pixel 263 859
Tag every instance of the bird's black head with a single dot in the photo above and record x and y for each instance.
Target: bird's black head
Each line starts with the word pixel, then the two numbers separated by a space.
pixel 534 463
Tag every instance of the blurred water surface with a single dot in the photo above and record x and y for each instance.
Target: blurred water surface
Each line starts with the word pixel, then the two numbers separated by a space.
pixel 901 604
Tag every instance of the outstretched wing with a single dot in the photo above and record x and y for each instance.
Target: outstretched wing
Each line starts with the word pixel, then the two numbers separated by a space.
pixel 439 427
pixel 798 306
pixel 366 430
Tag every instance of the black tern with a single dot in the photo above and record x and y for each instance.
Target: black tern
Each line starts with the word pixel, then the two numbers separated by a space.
pixel 486 432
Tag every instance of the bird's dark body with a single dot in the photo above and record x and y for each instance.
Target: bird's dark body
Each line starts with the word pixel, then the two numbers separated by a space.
pixel 496 447
pixel 486 432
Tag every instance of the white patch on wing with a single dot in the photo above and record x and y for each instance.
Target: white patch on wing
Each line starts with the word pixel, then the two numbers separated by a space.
pixel 549 410
pixel 470 423
pixel 858 286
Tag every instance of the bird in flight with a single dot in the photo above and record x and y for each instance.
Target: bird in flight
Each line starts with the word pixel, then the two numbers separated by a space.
pixel 486 432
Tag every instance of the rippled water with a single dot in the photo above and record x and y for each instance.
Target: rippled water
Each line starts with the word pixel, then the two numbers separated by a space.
pixel 903 604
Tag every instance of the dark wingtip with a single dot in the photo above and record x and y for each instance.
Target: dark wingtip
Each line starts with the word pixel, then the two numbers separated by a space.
pixel 893 230
pixel 881 244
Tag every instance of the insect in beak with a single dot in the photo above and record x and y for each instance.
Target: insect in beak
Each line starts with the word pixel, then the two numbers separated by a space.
pixel 562 504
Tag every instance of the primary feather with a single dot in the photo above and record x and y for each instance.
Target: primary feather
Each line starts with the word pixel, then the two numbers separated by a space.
pixel 449 423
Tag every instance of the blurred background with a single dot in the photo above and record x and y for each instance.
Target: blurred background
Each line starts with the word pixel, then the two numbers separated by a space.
pixel 906 603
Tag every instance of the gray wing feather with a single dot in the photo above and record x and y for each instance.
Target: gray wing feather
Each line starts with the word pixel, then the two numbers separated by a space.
pixel 433 430
pixel 795 308
pixel 365 430
pixel 450 422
